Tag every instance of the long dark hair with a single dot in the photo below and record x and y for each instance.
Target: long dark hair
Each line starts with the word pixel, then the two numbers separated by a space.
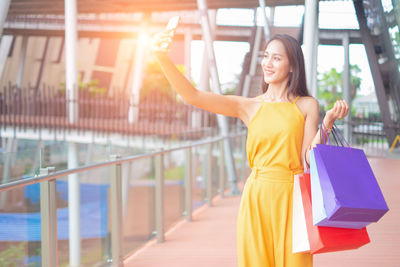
pixel 296 85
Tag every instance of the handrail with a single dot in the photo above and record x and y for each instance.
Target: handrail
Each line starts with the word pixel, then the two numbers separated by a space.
pixel 63 173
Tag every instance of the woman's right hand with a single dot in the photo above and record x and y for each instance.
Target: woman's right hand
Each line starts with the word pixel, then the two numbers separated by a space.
pixel 161 42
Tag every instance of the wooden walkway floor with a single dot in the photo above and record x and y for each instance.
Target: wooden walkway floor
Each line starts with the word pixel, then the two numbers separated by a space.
pixel 210 239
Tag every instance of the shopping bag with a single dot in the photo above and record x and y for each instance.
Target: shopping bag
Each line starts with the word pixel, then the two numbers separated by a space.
pixel 299 229
pixel 320 198
pixel 328 239
pixel 351 195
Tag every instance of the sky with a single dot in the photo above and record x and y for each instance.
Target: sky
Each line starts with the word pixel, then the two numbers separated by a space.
pixel 229 55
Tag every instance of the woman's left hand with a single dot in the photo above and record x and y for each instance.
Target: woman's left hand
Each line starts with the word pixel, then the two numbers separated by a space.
pixel 339 111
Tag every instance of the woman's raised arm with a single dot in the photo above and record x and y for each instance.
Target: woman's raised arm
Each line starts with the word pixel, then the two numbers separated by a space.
pixel 233 106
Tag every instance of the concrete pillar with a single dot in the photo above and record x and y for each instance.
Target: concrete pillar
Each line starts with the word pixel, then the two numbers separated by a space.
pixel 267 34
pixel 74 199
pixel 272 16
pixel 314 80
pixel 4 6
pixel 137 78
pixel 310 42
pixel 222 121
pixel 71 76
pixel 205 71
pixel 5 46
pixel 346 85
pixel 71 50
pixel 204 83
pixel 5 42
pixel 21 62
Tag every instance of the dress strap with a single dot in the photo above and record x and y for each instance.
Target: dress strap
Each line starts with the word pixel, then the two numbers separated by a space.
pixel 295 100
pixel 259 97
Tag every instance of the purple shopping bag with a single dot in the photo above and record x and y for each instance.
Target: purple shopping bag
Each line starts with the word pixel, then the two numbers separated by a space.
pixel 323 200
pixel 349 187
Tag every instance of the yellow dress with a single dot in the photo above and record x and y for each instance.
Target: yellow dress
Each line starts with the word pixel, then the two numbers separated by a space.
pixel 264 224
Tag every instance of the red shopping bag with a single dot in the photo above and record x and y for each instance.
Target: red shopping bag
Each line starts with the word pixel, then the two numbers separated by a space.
pixel 327 239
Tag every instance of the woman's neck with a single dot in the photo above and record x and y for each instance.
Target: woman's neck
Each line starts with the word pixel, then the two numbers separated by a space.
pixel 276 92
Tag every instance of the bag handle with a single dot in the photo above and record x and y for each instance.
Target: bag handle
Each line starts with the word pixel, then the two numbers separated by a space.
pixel 322 135
pixel 337 135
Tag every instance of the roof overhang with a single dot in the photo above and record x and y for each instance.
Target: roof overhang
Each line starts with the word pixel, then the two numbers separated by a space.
pixel 24 7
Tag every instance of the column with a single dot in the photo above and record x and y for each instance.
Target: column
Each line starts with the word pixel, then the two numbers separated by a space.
pixel 71 81
pixel 137 78
pixel 71 47
pixel 4 6
pixel 310 42
pixel 21 62
pixel 346 85
pixel 267 34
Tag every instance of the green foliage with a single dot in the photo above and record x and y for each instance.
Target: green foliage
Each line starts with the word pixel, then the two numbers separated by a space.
pixel 91 87
pixel 155 83
pixel 173 173
pixel 396 45
pixel 230 91
pixel 330 85
pixel 13 255
pixel 154 80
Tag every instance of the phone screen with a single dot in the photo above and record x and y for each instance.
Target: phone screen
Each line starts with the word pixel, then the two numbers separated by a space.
pixel 173 23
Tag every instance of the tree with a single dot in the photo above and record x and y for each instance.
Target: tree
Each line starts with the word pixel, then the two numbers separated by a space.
pixel 155 82
pixel 396 45
pixel 91 88
pixel 330 85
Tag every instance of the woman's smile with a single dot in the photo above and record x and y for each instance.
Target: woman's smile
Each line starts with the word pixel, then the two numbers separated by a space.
pixel 268 71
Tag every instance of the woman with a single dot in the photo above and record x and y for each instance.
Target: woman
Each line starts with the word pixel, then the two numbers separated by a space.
pixel 282 127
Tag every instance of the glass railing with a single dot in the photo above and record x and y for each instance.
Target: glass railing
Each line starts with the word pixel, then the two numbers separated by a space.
pixel 19 229
pixel 24 157
pixel 100 213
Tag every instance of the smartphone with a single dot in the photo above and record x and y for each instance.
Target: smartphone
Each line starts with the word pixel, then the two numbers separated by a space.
pixel 173 23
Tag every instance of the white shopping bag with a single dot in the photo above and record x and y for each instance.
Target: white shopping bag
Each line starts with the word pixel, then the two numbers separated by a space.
pixel 299 234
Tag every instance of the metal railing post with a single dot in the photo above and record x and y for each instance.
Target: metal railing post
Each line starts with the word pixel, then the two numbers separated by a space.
pixel 48 215
pixel 188 184
pixel 160 198
pixel 209 186
pixel 116 212
pixel 221 168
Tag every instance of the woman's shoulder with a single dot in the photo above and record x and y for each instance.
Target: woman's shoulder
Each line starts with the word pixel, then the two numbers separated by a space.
pixel 308 104
pixel 308 100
